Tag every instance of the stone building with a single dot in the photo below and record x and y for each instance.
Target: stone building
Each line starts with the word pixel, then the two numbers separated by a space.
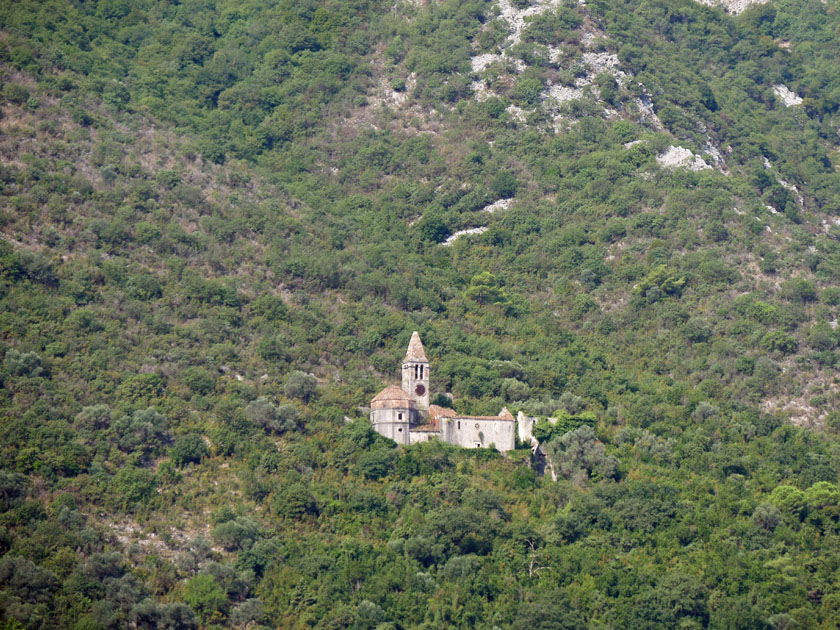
pixel 403 413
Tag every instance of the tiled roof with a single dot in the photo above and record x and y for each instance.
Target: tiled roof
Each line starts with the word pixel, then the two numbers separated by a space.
pixel 392 393
pixel 505 414
pixel 415 350
pixel 436 411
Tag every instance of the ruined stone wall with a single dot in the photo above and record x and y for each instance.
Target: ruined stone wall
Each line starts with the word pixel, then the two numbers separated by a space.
pixel 525 426
pixel 416 437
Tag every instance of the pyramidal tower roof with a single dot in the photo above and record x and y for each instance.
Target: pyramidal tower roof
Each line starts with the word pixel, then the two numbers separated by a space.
pixel 415 350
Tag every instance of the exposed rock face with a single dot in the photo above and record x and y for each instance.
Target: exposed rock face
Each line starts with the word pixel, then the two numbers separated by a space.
pixel 680 157
pixel 786 95
pixel 732 6
pixel 500 204
pixel 454 237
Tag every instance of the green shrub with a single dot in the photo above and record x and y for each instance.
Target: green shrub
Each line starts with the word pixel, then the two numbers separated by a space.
pixel 188 449
pixel 23 363
pixel 205 596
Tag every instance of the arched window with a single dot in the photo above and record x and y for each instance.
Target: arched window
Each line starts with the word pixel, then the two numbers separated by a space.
pixel 421 371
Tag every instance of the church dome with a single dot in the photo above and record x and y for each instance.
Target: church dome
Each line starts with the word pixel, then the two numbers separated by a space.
pixel 392 397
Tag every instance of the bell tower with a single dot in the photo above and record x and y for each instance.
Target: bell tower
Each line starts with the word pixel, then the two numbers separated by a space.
pixel 415 372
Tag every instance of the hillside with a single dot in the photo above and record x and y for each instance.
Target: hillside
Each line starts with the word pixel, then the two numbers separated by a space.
pixel 221 222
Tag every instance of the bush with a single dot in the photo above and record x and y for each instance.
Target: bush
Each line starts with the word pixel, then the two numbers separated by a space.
pixel 93 418
pixel 295 501
pixel 144 431
pixel 133 486
pixel 433 229
pixel 144 287
pixel 504 184
pixel 15 93
pixel 377 463
pixel 203 595
pixel 199 380
pixel 778 341
pixel 188 449
pixel 799 290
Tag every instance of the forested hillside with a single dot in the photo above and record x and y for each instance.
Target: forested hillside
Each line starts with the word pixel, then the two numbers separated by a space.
pixel 221 221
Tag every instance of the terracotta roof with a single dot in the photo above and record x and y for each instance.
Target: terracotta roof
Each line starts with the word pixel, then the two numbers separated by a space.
pixel 505 414
pixel 393 394
pixel 499 418
pixel 436 411
pixel 415 350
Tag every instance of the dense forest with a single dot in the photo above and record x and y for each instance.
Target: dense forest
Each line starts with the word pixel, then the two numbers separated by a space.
pixel 221 221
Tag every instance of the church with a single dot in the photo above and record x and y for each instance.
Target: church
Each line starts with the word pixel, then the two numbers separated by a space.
pixel 403 413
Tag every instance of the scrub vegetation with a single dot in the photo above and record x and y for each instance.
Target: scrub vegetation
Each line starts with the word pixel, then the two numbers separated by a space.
pixel 222 220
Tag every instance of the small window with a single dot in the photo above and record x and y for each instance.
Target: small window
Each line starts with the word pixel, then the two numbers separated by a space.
pixel 399 417
pixel 400 429
pixel 459 424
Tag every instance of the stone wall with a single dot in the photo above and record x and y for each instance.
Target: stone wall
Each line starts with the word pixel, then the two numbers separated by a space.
pixel 423 436
pixel 526 428
pixel 469 432
pixel 388 422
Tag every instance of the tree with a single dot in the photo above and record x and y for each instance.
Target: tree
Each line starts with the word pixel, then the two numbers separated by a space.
pixel 93 418
pixel 150 615
pixel 23 363
pixel 237 533
pixel 579 454
pixel 300 385
pixel 789 500
pixel 144 431
pixel 485 289
pixel 265 415
pixel 767 517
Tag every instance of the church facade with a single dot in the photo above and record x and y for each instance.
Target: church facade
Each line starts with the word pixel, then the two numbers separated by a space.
pixel 403 413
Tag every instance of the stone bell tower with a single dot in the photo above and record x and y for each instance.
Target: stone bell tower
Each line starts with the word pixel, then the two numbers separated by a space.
pixel 415 373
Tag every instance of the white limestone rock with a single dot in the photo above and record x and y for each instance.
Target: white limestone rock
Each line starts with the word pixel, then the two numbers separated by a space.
pixel 501 204
pixel 454 237
pixel 788 97
pixel 680 157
